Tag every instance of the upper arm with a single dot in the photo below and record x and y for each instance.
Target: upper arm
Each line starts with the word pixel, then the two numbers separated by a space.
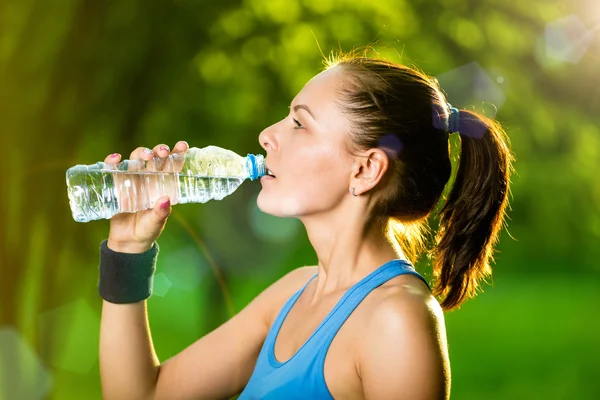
pixel 220 364
pixel 404 354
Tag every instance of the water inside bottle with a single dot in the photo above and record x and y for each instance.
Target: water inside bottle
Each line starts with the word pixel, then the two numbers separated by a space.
pixel 102 194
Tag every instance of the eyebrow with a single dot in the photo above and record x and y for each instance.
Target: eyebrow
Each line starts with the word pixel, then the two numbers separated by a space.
pixel 304 107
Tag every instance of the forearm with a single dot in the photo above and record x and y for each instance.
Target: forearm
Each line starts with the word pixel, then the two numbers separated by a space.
pixel 128 364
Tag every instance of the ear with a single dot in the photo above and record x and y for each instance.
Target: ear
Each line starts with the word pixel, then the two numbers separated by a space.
pixel 368 170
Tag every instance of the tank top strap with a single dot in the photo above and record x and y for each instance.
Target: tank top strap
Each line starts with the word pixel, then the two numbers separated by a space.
pixel 283 314
pixel 354 296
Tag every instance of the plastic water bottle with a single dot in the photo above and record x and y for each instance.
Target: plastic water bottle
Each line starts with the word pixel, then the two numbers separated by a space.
pixel 102 190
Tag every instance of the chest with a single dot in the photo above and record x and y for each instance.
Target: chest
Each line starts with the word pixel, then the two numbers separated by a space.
pixel 340 366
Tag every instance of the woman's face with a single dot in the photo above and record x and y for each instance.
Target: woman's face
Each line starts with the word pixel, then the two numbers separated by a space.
pixel 308 153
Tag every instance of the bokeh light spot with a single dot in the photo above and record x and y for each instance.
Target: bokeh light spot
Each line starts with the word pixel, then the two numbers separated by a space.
pixel 471 85
pixel 161 285
pixel 184 268
pixel 391 144
pixel 567 40
pixel 69 336
pixel 22 375
pixel 214 66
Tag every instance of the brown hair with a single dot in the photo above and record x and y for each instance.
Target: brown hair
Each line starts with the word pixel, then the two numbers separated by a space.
pixel 403 111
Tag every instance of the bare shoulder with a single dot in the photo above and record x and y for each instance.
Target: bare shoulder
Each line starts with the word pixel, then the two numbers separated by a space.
pixel 406 298
pixel 406 306
pixel 404 348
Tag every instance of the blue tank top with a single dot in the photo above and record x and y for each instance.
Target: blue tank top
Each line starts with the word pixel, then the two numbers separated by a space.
pixel 302 376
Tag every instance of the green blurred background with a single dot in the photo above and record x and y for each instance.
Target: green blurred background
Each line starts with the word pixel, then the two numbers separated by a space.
pixel 82 79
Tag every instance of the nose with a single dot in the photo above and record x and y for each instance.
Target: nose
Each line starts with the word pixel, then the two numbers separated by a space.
pixel 267 138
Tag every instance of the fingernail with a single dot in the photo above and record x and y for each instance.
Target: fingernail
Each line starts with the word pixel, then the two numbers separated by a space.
pixel 186 143
pixel 147 151
pixel 164 148
pixel 113 155
pixel 165 204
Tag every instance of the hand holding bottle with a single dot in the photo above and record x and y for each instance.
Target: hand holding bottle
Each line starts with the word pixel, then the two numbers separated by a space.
pixel 136 232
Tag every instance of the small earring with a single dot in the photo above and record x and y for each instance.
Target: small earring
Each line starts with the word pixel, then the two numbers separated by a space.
pixel 352 191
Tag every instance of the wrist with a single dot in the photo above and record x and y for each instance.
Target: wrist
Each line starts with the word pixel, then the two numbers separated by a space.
pixel 128 247
pixel 126 278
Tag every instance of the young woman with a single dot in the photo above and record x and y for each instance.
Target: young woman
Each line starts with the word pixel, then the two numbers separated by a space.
pixel 362 160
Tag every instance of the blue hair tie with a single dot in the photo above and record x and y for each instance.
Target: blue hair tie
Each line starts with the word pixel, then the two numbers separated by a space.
pixel 453 119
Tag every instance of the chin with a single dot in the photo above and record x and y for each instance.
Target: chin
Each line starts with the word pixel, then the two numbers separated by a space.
pixel 279 207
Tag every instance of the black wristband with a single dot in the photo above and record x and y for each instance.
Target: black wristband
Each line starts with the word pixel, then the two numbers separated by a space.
pixel 126 278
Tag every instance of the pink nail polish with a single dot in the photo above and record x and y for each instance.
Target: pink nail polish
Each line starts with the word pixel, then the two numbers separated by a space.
pixel 165 204
pixel 164 148
pixel 113 155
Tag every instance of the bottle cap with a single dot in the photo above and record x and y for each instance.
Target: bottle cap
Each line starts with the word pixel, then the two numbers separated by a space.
pixel 256 166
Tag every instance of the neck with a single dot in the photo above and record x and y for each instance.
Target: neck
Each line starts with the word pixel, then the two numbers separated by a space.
pixel 347 250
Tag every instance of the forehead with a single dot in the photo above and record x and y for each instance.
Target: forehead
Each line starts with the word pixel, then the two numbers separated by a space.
pixel 320 93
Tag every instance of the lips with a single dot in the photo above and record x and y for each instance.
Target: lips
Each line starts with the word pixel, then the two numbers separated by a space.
pixel 269 172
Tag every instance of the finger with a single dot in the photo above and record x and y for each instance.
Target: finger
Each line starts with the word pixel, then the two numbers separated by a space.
pixel 161 211
pixel 113 158
pixel 162 150
pixel 178 156
pixel 111 161
pixel 181 146
pixel 141 153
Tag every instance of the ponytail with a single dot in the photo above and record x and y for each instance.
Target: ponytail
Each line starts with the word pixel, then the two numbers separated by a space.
pixel 392 103
pixel 473 214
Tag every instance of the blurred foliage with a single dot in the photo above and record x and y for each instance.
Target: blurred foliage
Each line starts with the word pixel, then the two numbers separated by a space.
pixel 82 79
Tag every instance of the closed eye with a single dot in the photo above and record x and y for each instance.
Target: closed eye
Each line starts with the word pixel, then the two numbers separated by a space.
pixel 298 124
